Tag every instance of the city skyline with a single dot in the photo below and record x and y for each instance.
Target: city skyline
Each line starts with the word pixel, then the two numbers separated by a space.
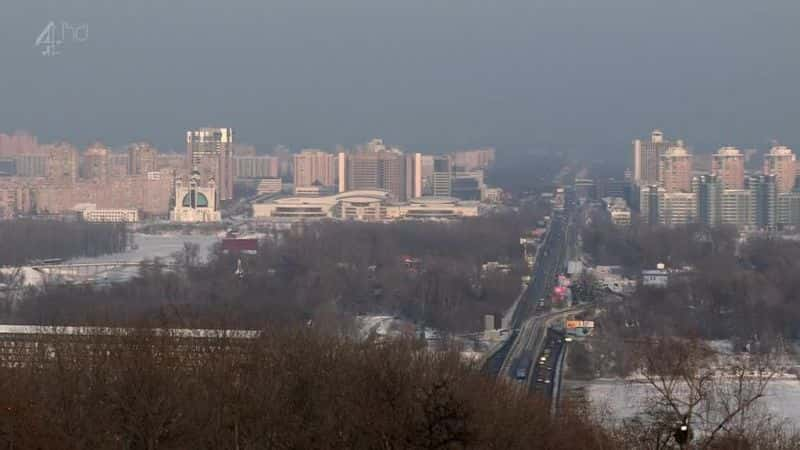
pixel 8 140
pixel 519 76
pixel 399 224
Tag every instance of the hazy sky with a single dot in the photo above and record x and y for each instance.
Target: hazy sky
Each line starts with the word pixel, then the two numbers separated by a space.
pixel 583 75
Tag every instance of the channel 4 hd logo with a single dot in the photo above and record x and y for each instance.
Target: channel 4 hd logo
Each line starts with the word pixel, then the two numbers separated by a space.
pixel 56 35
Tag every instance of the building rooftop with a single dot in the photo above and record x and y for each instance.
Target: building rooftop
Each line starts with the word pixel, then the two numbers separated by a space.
pixel 676 151
pixel 729 151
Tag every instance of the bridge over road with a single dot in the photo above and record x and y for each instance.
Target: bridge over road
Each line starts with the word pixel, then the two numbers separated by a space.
pixel 105 271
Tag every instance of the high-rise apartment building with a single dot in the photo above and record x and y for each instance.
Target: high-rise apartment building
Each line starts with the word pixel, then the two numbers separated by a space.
pixel 585 188
pixel 393 175
pixel 149 194
pixel 469 185
pixel 95 164
pixel 650 199
pixel 62 163
pixel 468 160
pixel 738 208
pixel 31 165
pixel 8 166
pixel 709 199
pixel 678 208
pixel 381 169
pixel 646 158
pixel 414 184
pixel 341 171
pixel 255 167
pixel 442 176
pixel 427 175
pixel 118 164
pixel 174 162
pixel 363 171
pixel 728 165
pixel 613 187
pixel 15 197
pixel 210 151
pixel 244 150
pixel 314 167
pixel 285 161
pixel 19 143
pixel 675 170
pixel 780 162
pixel 142 158
pixel 788 209
pixel 657 206
pixel 765 196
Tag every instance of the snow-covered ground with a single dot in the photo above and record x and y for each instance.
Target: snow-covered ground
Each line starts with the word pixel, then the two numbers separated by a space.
pixel 147 246
pixel 473 346
pixel 375 325
pixel 154 246
pixel 624 399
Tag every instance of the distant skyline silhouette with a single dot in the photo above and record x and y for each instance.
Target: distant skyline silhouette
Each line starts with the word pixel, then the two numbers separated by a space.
pixel 580 76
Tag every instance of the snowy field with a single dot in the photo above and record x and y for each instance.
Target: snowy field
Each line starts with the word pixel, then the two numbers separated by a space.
pixel 624 399
pixel 147 247
pixel 154 246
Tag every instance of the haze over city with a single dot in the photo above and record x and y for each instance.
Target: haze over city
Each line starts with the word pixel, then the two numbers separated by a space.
pixel 353 224
pixel 519 75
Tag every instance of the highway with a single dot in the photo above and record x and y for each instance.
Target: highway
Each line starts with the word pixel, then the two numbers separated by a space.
pixel 530 313
pixel 532 356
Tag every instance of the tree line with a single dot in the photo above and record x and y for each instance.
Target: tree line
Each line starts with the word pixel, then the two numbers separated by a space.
pixel 22 241
pixel 284 390
pixel 298 388
pixel 429 273
pixel 745 290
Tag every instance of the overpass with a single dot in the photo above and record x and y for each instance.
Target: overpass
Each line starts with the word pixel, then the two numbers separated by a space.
pixel 82 270
pixel 39 274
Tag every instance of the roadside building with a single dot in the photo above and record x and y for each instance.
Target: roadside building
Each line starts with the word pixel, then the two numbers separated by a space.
pixel 658 277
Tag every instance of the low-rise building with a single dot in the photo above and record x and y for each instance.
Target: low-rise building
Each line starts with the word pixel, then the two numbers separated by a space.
pixel 585 188
pixel 618 210
pixel 110 215
pixel 658 277
pixel 495 267
pixel 611 278
pixel 493 195
pixel 360 207
pixel 574 267
pixel 353 205
pixel 363 205
pixel 314 191
pixel 269 186
pixel 433 208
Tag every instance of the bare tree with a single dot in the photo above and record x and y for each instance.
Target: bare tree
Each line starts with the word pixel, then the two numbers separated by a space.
pixel 699 396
